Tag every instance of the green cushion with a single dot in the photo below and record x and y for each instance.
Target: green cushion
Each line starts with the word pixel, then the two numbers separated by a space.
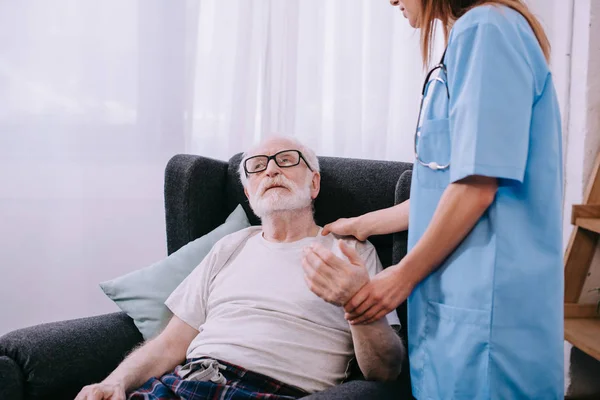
pixel 142 293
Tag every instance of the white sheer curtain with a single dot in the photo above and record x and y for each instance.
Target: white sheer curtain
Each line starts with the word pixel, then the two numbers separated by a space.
pixel 343 76
pixel 97 95
pixel 92 105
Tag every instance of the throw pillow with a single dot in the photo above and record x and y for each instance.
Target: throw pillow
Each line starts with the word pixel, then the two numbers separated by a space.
pixel 142 293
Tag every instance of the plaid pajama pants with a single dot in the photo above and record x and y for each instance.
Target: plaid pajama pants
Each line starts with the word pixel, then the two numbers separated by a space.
pixel 241 384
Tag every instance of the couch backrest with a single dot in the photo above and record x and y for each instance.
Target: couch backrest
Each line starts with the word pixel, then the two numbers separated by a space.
pixel 349 187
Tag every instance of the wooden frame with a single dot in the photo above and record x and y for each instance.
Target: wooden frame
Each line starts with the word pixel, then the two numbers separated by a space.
pixel 582 325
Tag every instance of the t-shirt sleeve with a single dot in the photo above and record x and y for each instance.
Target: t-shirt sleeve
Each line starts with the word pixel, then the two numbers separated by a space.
pixel 491 99
pixel 373 264
pixel 188 301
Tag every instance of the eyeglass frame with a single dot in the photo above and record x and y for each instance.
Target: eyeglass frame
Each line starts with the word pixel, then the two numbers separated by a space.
pixel 274 158
pixel 432 165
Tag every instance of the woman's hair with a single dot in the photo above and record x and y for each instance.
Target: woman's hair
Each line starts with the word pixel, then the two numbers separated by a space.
pixel 447 11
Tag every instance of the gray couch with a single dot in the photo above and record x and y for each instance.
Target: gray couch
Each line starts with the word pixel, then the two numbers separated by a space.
pixel 55 360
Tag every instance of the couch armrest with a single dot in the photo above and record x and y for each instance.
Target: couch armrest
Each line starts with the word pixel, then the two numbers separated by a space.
pixel 12 382
pixel 57 359
pixel 195 191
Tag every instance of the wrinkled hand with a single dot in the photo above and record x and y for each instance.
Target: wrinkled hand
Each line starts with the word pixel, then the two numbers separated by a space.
pixel 102 391
pixel 331 278
pixel 383 294
pixel 346 227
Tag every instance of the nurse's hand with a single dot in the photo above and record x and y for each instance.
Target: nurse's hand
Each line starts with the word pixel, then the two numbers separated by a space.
pixel 347 227
pixel 331 278
pixel 382 295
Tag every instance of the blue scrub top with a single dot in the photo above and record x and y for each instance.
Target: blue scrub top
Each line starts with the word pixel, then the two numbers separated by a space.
pixel 488 324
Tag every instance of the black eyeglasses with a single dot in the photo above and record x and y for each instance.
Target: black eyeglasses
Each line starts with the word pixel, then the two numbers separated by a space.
pixel 283 159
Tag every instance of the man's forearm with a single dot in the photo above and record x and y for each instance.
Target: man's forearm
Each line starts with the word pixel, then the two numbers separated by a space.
pixel 460 207
pixel 153 359
pixel 388 220
pixel 379 350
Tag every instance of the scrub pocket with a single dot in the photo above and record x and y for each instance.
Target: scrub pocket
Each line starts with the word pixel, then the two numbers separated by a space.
pixel 456 353
pixel 433 144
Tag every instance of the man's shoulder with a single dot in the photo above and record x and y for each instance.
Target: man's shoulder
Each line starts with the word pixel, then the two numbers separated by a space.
pixel 227 246
pixel 235 238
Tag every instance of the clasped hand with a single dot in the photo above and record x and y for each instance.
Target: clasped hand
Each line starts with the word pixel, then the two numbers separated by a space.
pixel 332 278
pixel 346 283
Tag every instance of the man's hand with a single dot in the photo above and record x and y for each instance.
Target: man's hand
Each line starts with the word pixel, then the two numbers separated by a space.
pixel 102 391
pixel 331 278
pixel 386 291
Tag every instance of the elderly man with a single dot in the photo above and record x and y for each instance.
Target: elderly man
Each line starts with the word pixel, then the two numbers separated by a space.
pixel 248 323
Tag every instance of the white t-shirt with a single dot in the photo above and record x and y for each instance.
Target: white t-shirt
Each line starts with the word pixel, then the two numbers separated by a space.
pixel 257 312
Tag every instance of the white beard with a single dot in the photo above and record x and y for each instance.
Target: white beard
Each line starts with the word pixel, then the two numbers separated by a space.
pixel 277 200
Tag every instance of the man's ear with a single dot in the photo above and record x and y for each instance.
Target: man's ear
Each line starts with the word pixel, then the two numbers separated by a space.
pixel 315 185
pixel 246 193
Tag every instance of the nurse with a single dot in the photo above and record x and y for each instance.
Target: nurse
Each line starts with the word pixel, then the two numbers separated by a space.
pixel 483 275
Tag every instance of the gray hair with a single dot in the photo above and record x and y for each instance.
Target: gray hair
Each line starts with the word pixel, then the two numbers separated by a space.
pixel 307 152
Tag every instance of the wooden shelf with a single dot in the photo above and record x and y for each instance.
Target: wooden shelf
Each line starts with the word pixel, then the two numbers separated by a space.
pixel 584 211
pixel 591 224
pixel 584 333
pixel 580 310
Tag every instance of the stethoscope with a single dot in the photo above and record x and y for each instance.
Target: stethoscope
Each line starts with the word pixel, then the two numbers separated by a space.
pixel 438 67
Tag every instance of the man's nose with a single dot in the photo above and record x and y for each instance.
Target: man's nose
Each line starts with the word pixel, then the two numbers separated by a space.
pixel 272 168
pixel 394 2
